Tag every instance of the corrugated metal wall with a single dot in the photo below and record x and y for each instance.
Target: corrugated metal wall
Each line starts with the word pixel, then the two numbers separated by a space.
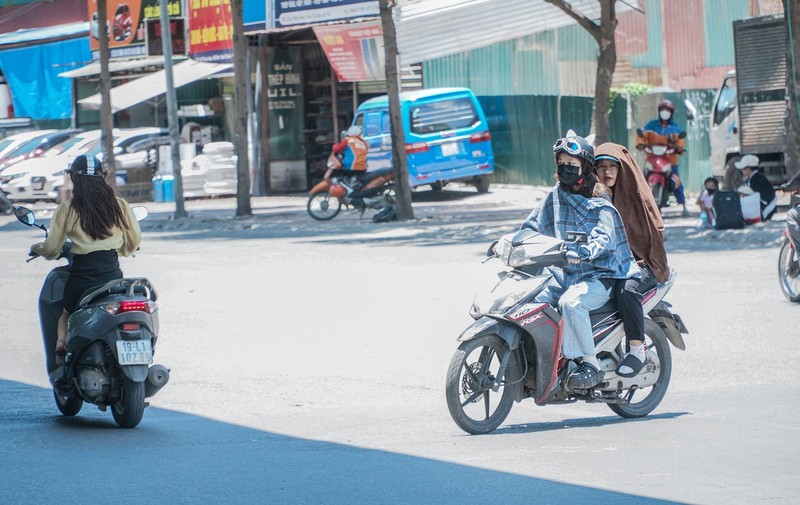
pixel 524 129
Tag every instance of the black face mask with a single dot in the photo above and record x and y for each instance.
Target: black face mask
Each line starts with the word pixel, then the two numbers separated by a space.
pixel 569 175
pixel 710 191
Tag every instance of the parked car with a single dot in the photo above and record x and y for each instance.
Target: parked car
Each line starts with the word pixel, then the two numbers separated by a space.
pixel 42 178
pixel 446 132
pixel 10 143
pixel 34 146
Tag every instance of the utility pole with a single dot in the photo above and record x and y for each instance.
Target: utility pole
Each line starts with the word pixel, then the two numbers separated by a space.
pixel 240 138
pixel 399 159
pixel 172 112
pixel 106 115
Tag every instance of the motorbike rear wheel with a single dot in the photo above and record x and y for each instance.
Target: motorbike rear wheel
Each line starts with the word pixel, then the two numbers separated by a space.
pixel 789 272
pixel 128 411
pixel 656 343
pixel 322 206
pixel 69 405
pixel 472 403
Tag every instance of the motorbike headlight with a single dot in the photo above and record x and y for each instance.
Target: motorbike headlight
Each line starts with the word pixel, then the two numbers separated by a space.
pixel 8 178
pixel 502 249
pixel 518 257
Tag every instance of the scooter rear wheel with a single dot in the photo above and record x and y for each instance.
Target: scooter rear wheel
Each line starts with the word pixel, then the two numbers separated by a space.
pixel 645 400
pixel 322 206
pixel 128 411
pixel 69 405
pixel 472 403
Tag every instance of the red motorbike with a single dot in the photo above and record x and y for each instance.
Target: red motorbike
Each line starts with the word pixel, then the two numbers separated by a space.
pixel 360 190
pixel 662 154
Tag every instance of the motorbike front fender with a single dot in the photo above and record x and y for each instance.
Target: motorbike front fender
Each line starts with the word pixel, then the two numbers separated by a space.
pixel 488 326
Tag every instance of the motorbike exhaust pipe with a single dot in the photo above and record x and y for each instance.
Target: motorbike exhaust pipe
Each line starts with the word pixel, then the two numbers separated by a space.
pixel 157 378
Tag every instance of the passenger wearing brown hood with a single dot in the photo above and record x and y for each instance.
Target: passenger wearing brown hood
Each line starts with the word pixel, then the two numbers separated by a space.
pixel 631 195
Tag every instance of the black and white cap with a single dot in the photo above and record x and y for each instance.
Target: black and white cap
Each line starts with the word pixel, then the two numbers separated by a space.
pixel 86 164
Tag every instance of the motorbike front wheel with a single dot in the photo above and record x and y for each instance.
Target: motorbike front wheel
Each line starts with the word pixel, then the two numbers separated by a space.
pixel 472 403
pixel 645 400
pixel 789 272
pixel 128 411
pixel 322 206
pixel 69 405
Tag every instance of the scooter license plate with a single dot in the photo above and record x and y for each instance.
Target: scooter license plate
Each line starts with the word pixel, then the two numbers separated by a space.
pixel 134 352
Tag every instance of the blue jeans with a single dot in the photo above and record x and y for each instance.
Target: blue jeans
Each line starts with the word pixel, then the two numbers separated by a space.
pixel 574 305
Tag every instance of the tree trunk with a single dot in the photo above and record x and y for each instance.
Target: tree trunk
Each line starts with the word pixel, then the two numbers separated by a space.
pixel 399 159
pixel 606 63
pixel 792 149
pixel 243 207
pixel 106 115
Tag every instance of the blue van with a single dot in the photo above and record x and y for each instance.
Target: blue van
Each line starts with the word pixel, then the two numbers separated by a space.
pixel 447 137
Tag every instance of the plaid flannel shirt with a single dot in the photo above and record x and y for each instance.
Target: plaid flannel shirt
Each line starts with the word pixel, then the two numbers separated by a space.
pixel 606 254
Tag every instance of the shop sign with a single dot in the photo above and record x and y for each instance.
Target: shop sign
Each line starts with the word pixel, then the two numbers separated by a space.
pixel 126 25
pixel 211 30
pixel 285 103
pixel 303 12
pixel 155 43
pixel 355 51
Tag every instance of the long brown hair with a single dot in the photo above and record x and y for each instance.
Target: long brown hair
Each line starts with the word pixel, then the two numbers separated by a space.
pixel 96 205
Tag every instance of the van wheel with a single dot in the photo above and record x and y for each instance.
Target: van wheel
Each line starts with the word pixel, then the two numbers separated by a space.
pixel 482 183
pixel 438 186
pixel 733 176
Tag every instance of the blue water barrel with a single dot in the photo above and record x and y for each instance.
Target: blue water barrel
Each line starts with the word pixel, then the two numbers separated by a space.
pixel 169 188
pixel 158 189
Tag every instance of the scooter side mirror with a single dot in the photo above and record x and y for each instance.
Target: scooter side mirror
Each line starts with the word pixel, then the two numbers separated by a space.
pixel 140 212
pixel 25 216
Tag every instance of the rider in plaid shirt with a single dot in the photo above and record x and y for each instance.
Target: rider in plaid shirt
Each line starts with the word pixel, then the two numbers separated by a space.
pixel 592 266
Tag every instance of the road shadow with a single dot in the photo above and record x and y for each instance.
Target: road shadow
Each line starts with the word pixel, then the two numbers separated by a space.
pixel 174 457
pixel 588 422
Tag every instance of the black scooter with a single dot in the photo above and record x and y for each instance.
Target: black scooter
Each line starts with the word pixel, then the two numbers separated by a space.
pixel 111 338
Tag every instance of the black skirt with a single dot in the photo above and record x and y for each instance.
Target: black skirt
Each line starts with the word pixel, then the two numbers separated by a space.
pixel 89 271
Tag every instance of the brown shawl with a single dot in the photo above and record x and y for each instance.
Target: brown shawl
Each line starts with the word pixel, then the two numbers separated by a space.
pixel 637 207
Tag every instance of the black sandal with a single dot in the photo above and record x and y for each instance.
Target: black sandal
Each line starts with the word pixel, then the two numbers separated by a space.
pixel 633 363
pixel 585 377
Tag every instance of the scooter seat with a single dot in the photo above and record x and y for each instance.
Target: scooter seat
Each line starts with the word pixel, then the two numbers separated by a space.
pixel 368 176
pixel 608 309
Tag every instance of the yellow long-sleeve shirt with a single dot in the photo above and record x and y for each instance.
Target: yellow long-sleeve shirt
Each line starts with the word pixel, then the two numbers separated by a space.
pixel 66 224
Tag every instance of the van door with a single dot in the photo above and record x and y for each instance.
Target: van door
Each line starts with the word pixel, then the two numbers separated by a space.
pixel 444 137
pixel 378 137
pixel 724 135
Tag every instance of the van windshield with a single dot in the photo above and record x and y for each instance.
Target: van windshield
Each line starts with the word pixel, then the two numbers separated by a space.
pixel 726 102
pixel 442 116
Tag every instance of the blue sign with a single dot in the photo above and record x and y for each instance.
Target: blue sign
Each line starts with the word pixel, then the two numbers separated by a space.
pixel 308 12
pixel 254 13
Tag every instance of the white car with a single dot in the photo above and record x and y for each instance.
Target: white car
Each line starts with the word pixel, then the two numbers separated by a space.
pixel 42 178
pixel 11 142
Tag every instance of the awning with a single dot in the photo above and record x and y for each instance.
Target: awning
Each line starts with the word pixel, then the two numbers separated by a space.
pixel 429 29
pixel 30 36
pixel 155 84
pixel 114 66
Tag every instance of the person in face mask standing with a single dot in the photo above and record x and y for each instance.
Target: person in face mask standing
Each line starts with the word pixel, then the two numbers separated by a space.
pixel 664 125
pixel 593 267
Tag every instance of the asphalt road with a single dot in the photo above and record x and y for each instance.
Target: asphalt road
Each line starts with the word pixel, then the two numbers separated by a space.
pixel 308 364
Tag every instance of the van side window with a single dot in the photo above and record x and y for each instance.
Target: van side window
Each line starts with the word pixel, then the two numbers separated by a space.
pixel 727 101
pixel 359 121
pixel 445 115
pixel 372 124
pixel 386 125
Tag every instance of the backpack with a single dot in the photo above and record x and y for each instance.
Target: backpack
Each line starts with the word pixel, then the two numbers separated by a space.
pixel 728 210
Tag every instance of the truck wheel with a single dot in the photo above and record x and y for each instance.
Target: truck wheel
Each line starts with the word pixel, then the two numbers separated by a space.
pixel 733 176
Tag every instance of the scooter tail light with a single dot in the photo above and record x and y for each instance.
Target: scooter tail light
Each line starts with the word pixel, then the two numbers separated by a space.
pixel 116 308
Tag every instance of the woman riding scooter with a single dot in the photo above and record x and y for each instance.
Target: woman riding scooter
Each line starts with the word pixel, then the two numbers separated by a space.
pixel 100 225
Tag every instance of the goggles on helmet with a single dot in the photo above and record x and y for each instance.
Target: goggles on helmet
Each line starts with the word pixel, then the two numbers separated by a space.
pixel 571 146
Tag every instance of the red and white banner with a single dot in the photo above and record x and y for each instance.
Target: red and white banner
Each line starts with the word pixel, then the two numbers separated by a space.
pixel 355 51
pixel 210 30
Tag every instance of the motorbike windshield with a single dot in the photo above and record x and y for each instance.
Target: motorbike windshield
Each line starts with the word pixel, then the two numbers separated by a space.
pixel 506 292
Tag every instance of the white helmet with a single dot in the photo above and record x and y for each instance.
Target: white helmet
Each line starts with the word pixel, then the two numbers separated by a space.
pixel 353 131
